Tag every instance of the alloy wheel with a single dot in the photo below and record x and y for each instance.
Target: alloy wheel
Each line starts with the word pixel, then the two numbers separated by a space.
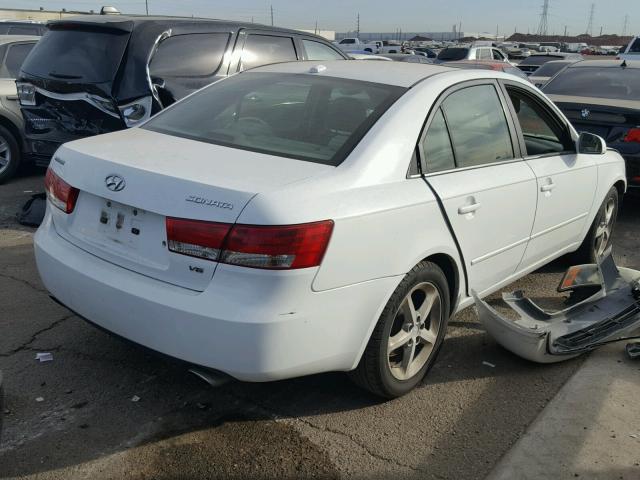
pixel 415 330
pixel 605 228
pixel 5 154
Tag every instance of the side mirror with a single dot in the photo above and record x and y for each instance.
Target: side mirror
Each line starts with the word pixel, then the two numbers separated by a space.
pixel 590 144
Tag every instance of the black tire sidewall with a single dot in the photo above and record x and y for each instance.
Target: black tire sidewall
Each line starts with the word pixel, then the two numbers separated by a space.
pixel 429 273
pixel 10 171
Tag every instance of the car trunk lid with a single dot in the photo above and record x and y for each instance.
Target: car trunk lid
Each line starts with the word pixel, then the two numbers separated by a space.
pixel 131 181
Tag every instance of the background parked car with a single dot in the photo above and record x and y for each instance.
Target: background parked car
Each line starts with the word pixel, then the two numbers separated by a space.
pixel 13 50
pixel 543 74
pixel 531 64
pixel 603 97
pixel 429 52
pixel 454 54
pixel 407 57
pixel 96 74
pixel 632 52
pixel 22 28
pixel 489 65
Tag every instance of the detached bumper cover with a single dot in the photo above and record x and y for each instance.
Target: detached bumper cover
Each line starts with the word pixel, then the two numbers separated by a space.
pixel 611 313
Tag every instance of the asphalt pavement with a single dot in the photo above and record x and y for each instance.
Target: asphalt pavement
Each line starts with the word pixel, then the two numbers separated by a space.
pixel 105 408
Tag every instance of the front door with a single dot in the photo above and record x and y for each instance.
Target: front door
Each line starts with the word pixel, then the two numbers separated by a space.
pixel 488 195
pixel 566 180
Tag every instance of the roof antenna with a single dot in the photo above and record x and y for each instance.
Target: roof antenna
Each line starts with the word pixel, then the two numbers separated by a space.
pixel 624 64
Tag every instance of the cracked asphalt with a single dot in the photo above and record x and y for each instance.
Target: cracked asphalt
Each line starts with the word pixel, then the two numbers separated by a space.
pixel 75 418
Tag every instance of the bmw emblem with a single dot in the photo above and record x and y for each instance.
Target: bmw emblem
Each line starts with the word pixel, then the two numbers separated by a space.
pixel 115 183
pixel 585 113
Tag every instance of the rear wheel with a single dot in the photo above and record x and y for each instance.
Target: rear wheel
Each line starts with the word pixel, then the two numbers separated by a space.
pixel 600 234
pixel 9 155
pixel 408 336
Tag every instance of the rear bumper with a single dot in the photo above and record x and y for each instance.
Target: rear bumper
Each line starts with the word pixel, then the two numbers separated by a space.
pixel 253 325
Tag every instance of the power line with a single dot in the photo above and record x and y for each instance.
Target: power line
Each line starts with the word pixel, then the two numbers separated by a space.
pixel 625 27
pixel 543 26
pixel 358 26
pixel 272 15
pixel 591 17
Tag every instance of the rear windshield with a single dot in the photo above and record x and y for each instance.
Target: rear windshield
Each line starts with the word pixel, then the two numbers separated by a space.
pixel 635 47
pixel 88 56
pixel 318 119
pixel 453 54
pixel 540 59
pixel 549 69
pixel 599 82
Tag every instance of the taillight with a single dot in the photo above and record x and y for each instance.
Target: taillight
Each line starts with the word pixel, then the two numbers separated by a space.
pixel 60 193
pixel 633 135
pixel 279 247
pixel 196 238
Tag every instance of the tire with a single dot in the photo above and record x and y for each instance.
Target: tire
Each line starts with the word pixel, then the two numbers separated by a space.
pixel 382 371
pixel 9 155
pixel 592 249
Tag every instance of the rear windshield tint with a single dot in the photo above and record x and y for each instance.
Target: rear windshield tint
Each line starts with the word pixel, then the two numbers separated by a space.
pixel 194 55
pixel 87 56
pixel 453 54
pixel 318 119
pixel 549 69
pixel 599 82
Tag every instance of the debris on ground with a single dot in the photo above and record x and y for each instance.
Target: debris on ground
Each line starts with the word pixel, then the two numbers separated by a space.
pixel 135 398
pixel 39 399
pixel 44 357
pixel 489 364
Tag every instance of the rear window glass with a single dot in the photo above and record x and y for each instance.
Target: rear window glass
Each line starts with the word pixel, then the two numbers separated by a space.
pixel 319 119
pixel 539 59
pixel 453 54
pixel 599 82
pixel 89 56
pixel 189 55
pixel 635 47
pixel 15 58
pixel 549 69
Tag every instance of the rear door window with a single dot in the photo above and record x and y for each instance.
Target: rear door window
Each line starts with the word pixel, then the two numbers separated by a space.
pixel 264 49
pixel 15 58
pixel 82 55
pixel 478 126
pixel 635 46
pixel 318 51
pixel 194 55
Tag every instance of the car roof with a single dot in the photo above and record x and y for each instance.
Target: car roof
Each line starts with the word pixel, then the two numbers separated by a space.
pixel 167 20
pixel 606 64
pixel 4 39
pixel 401 74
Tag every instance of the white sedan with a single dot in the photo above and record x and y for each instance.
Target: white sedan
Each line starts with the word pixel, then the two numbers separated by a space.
pixel 302 218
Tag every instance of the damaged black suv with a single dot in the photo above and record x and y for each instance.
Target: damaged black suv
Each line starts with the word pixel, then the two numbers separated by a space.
pixel 97 74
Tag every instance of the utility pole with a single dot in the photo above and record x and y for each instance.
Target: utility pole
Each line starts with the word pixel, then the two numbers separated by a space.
pixel 459 31
pixel 358 26
pixel 601 30
pixel 316 30
pixel 543 26
pixel 591 15
pixel 565 31
pixel 146 4
pixel 272 15
pixel 625 27
pixel 497 32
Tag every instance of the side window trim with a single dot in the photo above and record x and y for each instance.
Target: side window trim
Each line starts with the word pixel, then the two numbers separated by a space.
pixel 506 107
pixel 504 85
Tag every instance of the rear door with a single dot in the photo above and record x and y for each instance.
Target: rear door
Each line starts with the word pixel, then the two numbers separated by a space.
pixel 488 194
pixel 566 180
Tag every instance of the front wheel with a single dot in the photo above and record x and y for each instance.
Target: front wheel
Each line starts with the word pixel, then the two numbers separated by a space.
pixel 9 155
pixel 408 335
pixel 599 238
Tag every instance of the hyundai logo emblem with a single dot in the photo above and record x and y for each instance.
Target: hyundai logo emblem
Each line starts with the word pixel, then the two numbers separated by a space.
pixel 585 113
pixel 115 183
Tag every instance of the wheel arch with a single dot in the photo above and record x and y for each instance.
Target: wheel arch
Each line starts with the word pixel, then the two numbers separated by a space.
pixel 451 272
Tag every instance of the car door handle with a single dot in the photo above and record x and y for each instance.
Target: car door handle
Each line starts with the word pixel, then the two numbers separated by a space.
pixel 548 187
pixel 468 209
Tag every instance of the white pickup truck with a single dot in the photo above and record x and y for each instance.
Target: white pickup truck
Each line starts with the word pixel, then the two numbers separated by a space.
pixel 355 44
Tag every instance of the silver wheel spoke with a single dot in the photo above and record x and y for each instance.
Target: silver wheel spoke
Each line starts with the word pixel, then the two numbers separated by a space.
pixel 408 356
pixel 409 309
pixel 5 154
pixel 3 147
pixel 428 336
pixel 426 306
pixel 398 340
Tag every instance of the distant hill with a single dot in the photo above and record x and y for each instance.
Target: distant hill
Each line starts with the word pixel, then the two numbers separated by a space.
pixel 609 40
